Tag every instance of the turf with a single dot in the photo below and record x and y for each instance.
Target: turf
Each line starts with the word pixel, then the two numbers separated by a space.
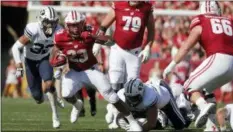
pixel 27 116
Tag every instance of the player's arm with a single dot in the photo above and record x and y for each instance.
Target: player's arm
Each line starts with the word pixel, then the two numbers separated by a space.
pixel 108 20
pixel 151 116
pixel 18 45
pixel 192 39
pixel 150 30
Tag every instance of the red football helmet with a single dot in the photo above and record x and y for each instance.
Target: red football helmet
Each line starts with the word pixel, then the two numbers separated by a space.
pixel 75 23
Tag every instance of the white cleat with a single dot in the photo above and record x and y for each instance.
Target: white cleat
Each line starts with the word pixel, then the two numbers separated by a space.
pixel 56 123
pixel 75 112
pixel 203 116
pixel 134 126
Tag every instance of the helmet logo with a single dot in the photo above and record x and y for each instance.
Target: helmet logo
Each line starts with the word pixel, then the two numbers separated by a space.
pixel 42 12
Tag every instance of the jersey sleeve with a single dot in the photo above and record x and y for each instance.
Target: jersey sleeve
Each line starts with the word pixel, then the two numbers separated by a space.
pixel 195 22
pixel 30 31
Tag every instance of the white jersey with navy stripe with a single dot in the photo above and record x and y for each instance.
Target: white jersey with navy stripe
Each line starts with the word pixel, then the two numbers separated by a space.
pixel 153 94
pixel 40 45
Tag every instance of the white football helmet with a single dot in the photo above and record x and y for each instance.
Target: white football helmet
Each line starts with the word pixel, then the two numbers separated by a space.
pixel 48 19
pixel 210 7
pixel 134 90
pixel 75 23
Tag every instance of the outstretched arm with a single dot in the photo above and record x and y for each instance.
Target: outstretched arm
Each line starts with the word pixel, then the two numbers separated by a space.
pixel 193 38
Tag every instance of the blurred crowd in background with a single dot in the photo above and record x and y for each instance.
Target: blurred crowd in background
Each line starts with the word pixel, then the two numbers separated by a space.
pixel 170 32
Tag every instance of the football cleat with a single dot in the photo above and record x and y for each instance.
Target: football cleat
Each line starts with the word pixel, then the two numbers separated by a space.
pixel 203 116
pixel 76 111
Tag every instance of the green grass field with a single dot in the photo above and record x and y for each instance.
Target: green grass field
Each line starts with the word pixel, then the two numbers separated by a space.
pixel 25 115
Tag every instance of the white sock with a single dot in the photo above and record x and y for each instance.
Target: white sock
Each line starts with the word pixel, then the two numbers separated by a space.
pixel 52 102
pixel 201 103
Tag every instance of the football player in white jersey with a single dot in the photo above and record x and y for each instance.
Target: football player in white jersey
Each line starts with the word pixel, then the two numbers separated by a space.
pixel 225 114
pixel 147 98
pixel 37 41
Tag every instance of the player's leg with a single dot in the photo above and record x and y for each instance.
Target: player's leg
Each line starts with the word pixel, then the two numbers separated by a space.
pixel 211 124
pixel 46 73
pixel 211 74
pixel 79 95
pixel 99 81
pixel 116 68
pixel 172 111
pixel 34 80
pixel 71 84
pixel 132 62
pixel 92 100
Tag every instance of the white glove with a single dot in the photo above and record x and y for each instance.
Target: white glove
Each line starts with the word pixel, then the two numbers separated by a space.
pixel 19 72
pixel 96 49
pixel 168 69
pixel 57 74
pixel 145 54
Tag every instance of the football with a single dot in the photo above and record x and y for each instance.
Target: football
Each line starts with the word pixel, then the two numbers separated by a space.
pixel 58 60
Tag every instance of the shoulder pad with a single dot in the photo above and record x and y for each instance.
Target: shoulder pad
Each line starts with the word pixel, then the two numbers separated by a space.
pixel 31 30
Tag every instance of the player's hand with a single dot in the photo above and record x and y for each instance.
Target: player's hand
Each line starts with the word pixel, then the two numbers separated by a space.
pixel 168 69
pixel 19 70
pixel 96 49
pixel 145 54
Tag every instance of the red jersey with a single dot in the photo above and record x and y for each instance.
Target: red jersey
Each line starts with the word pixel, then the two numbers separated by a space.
pixel 79 51
pixel 130 23
pixel 217 35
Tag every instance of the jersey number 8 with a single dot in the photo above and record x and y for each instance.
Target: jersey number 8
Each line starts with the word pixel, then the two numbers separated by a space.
pixel 221 26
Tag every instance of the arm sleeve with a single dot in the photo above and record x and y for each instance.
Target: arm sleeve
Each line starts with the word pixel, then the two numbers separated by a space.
pixel 16 53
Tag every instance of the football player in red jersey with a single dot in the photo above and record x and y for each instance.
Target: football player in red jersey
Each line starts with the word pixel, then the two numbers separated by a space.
pixel 215 35
pixel 76 43
pixel 126 55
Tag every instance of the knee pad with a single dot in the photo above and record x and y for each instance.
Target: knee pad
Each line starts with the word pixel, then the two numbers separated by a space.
pixel 117 86
pixel 110 96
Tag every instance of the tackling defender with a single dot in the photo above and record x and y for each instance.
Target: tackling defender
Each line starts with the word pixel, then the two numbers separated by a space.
pixel 145 99
pixel 215 34
pixel 73 50
pixel 37 42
